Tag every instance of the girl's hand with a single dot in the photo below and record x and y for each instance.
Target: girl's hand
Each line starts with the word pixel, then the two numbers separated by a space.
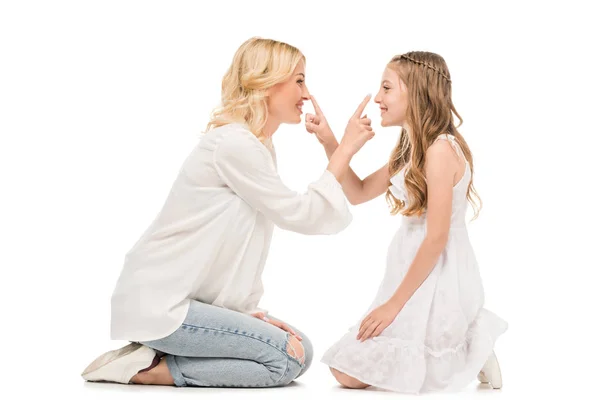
pixel 279 324
pixel 317 125
pixel 377 320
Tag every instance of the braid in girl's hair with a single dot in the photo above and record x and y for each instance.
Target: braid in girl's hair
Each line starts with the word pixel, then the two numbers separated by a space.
pixel 425 64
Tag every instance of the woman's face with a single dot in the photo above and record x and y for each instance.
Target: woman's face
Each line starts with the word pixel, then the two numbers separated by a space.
pixel 285 100
pixel 392 99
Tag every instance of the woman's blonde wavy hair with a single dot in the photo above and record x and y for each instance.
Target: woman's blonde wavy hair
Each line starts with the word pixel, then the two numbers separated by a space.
pixel 257 65
pixel 429 114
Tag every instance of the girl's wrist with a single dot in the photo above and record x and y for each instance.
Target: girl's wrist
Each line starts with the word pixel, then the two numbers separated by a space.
pixel 331 144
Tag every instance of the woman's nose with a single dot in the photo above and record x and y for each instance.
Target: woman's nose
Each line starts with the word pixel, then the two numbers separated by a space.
pixel 305 93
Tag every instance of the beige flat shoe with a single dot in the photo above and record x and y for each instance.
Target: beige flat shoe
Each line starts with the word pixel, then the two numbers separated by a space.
pixel 490 373
pixel 120 365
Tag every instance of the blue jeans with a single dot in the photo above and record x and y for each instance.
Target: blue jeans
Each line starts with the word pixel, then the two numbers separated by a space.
pixel 217 347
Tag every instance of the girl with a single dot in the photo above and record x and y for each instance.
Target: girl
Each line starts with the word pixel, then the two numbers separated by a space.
pixel 427 329
pixel 187 297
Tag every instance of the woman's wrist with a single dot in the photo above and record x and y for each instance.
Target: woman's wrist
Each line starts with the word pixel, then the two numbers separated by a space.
pixel 339 162
pixel 345 150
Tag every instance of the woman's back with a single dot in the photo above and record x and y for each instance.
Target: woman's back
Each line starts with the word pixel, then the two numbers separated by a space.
pixel 200 232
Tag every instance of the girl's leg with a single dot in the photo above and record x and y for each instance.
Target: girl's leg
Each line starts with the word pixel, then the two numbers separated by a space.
pixel 347 381
pixel 218 347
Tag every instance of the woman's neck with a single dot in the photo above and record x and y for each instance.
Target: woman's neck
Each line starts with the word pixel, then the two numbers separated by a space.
pixel 271 127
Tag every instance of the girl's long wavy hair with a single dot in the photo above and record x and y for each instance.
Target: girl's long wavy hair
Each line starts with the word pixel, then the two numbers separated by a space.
pixel 257 65
pixel 429 114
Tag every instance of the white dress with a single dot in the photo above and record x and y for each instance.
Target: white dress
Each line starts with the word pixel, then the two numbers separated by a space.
pixel 443 336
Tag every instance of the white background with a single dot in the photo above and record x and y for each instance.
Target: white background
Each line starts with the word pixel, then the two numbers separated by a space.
pixel 100 102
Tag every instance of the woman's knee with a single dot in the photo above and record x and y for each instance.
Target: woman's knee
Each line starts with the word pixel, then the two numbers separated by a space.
pixel 292 362
pixel 347 381
pixel 296 350
pixel 308 351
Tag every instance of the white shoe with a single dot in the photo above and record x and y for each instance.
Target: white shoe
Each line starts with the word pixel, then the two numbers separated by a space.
pixel 490 373
pixel 119 365
pixel 481 377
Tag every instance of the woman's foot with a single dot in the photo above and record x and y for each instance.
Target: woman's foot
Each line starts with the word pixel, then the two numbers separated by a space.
pixel 156 375
pixel 120 365
pixel 490 373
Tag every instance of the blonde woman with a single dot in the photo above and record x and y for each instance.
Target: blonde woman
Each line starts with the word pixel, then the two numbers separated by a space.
pixel 426 329
pixel 187 297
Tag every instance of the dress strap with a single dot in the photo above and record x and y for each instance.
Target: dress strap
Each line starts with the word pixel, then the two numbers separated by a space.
pixel 452 140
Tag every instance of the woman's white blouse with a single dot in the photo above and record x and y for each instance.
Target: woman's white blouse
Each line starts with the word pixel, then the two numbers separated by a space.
pixel 211 239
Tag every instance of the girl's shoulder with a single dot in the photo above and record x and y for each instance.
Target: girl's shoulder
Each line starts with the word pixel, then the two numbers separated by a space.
pixel 445 148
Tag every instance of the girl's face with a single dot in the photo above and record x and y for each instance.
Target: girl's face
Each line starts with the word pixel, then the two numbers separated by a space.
pixel 392 99
pixel 285 100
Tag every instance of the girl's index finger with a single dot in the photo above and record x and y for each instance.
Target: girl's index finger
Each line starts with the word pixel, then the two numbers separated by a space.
pixel 316 106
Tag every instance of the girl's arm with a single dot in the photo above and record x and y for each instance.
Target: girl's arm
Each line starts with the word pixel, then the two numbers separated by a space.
pixel 246 167
pixel 440 170
pixel 357 190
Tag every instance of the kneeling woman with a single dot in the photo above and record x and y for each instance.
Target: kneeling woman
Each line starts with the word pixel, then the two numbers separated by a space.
pixel 189 289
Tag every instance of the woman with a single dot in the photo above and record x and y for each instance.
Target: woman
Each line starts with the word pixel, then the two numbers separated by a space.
pixel 188 293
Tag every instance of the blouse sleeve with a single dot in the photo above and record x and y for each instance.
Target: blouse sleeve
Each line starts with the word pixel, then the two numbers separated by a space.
pixel 245 165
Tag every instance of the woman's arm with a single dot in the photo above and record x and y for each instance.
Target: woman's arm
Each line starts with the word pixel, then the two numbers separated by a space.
pixel 246 167
pixel 440 170
pixel 248 171
pixel 357 190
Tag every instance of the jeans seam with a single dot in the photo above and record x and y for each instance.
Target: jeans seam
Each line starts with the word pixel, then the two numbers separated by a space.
pixel 287 368
pixel 288 357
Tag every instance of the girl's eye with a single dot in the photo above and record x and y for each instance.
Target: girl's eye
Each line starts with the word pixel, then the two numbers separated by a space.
pixel 300 81
pixel 386 88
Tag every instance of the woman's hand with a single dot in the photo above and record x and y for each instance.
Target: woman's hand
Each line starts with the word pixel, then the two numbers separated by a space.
pixel 318 125
pixel 279 324
pixel 377 320
pixel 358 131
